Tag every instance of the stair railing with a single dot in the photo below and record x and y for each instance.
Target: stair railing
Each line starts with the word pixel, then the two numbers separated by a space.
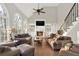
pixel 70 18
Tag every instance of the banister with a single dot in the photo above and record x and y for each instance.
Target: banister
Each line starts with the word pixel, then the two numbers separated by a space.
pixel 70 11
pixel 75 5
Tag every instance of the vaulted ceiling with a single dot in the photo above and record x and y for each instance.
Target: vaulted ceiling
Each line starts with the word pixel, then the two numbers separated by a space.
pixel 27 8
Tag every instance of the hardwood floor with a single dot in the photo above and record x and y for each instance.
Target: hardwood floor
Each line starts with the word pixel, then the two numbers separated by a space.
pixel 44 49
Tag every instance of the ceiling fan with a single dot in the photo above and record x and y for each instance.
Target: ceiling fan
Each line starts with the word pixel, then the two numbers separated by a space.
pixel 39 10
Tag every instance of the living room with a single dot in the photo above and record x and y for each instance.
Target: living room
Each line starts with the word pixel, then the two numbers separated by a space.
pixel 42 29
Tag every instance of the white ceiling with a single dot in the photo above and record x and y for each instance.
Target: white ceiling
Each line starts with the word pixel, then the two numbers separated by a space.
pixel 27 8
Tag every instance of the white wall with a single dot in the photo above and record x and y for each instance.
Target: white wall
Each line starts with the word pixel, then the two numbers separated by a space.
pixel 50 17
pixel 54 15
pixel 27 8
pixel 63 9
pixel 73 33
pixel 12 10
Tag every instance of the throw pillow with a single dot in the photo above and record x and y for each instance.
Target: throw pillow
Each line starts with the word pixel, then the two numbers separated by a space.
pixel 68 46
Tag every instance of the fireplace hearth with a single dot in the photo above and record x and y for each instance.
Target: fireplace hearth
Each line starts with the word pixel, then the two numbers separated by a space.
pixel 39 33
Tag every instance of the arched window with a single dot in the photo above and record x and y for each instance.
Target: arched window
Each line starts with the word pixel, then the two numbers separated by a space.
pixel 18 23
pixel 3 33
pixel 1 11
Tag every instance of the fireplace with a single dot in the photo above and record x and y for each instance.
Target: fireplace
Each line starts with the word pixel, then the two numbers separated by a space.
pixel 39 33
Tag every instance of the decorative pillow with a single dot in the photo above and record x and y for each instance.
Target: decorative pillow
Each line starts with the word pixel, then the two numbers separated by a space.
pixel 52 35
pixel 60 32
pixel 4 49
pixel 18 42
pixel 68 46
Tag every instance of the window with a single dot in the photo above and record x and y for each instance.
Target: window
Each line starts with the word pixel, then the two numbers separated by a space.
pixel 18 23
pixel 1 11
pixel 3 33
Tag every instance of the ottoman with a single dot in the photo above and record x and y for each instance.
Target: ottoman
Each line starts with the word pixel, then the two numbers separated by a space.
pixel 26 50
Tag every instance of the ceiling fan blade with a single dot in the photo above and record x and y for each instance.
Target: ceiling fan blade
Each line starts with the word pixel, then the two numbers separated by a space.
pixel 34 9
pixel 43 12
pixel 41 8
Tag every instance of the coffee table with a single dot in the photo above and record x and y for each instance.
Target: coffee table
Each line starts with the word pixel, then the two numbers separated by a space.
pixel 38 40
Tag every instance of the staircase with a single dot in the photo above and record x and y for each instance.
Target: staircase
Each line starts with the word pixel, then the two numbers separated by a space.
pixel 71 19
pixel 72 26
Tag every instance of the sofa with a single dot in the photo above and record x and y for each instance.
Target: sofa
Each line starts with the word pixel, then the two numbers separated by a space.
pixel 62 41
pixel 14 49
pixel 73 51
pixel 11 52
pixel 24 37
pixel 26 50
pixel 59 42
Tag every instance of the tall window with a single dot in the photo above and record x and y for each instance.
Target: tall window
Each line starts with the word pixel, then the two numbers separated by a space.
pixel 2 24
pixel 18 23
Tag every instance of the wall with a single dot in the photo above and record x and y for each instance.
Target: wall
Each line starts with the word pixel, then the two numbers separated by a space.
pixel 27 8
pixel 73 33
pixel 54 15
pixel 50 17
pixel 63 10
pixel 12 10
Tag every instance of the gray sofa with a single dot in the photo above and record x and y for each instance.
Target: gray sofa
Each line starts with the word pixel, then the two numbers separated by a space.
pixel 12 52
pixel 62 41
pixel 26 50
pixel 59 43
pixel 24 37
pixel 73 51
pixel 17 50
